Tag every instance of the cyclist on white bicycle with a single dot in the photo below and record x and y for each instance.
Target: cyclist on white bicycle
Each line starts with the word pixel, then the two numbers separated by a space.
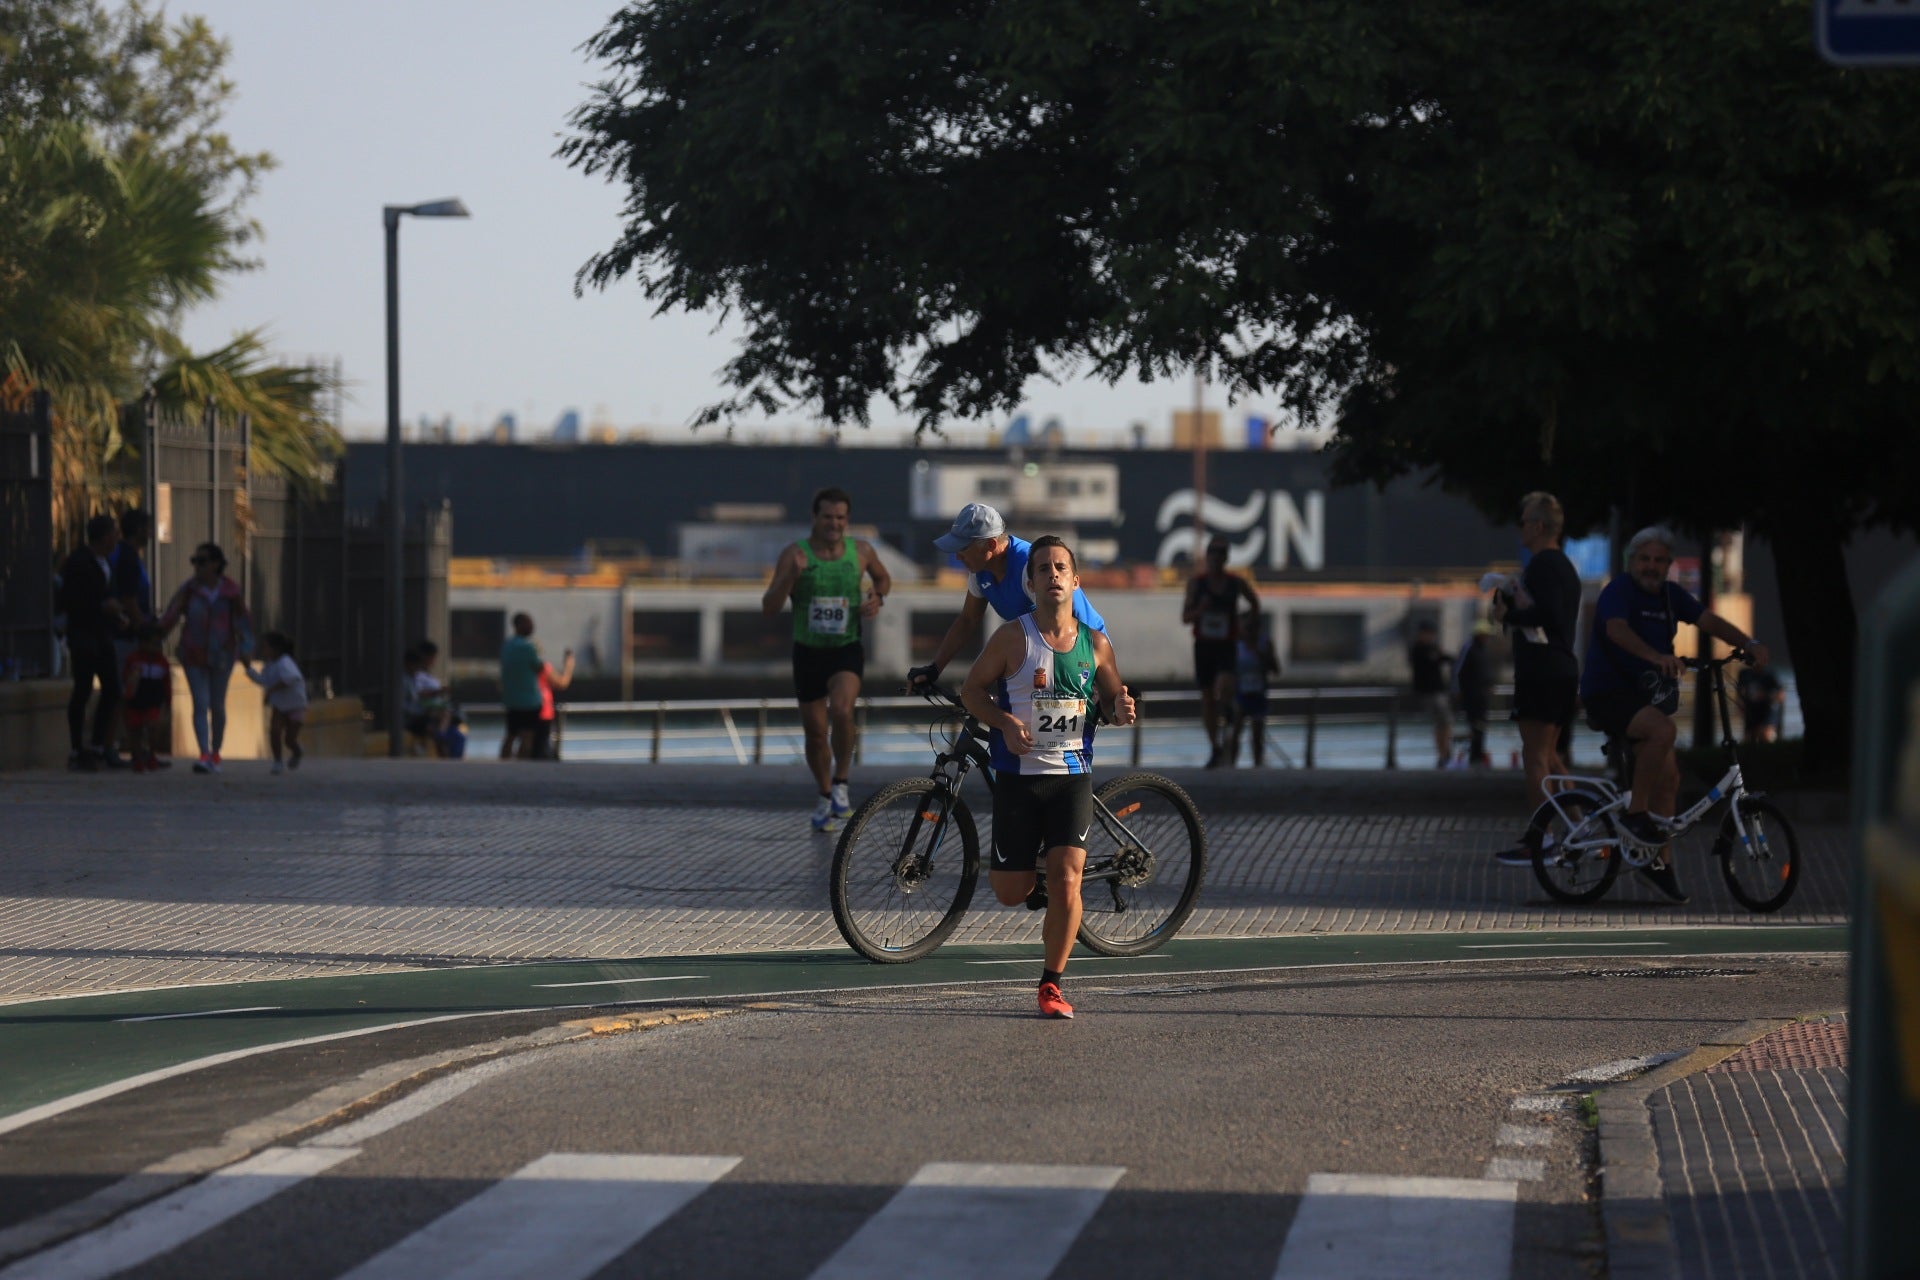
pixel 1034 686
pixel 1628 684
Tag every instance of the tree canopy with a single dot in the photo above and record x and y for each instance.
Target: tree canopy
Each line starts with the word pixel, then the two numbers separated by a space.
pixel 121 206
pixel 1658 258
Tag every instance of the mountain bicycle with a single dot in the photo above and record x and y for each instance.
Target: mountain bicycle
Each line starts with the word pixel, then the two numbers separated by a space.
pixel 905 867
pixel 1578 846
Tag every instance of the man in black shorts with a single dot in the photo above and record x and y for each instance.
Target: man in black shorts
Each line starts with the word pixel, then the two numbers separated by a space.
pixel 1630 682
pixel 1541 611
pixel 1212 609
pixel 1034 686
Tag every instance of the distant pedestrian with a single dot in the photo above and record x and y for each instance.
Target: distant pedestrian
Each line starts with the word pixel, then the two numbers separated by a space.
pixel 520 668
pixel 429 709
pixel 216 630
pixel 1541 611
pixel 1432 684
pixel 93 618
pixel 546 738
pixel 821 575
pixel 146 679
pixel 1473 677
pixel 1212 609
pixel 286 695
pixel 1253 664
pixel 1762 697
pixel 132 587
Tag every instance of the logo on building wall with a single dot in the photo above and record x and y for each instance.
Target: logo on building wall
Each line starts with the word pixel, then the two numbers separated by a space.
pixel 1291 533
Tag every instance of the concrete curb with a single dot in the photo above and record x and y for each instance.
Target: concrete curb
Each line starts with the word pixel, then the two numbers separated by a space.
pixel 313 1114
pixel 1633 1201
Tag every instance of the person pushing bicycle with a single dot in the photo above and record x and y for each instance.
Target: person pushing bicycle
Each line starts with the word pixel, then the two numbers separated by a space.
pixel 1034 686
pixel 1628 684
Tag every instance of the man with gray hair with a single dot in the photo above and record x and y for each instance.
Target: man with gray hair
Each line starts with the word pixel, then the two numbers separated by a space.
pixel 1630 682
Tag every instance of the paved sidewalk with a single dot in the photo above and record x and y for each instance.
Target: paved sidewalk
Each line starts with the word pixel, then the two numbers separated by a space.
pixel 109 882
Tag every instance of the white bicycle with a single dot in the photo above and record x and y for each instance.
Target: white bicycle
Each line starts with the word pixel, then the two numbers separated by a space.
pixel 1578 846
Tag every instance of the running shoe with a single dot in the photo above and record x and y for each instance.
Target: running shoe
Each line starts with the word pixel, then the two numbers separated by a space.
pixel 1052 1003
pixel 277 768
pixel 823 819
pixel 204 764
pixel 293 757
pixel 213 763
pixel 842 803
pixel 1515 855
pixel 1660 876
pixel 1643 828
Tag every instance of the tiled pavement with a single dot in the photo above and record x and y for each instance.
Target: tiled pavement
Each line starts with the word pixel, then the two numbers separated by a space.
pixel 110 882
pixel 1752 1156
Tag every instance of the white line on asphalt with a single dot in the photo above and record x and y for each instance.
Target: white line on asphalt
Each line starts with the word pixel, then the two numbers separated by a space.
pixel 60 1106
pixel 618 982
pixel 1523 946
pixel 1356 1224
pixel 172 1220
pixel 1077 960
pixel 563 1217
pixel 204 1013
pixel 975 1222
pixel 1607 1072
pixel 1511 1169
pixel 418 1103
pixel 1522 1135
pixel 1543 1102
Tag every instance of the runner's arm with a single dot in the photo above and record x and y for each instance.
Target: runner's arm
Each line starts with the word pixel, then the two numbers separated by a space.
pixel 786 572
pixel 878 575
pixel 1114 698
pixel 1190 607
pixel 1000 659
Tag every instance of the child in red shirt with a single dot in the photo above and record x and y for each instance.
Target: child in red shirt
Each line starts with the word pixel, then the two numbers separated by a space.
pixel 147 682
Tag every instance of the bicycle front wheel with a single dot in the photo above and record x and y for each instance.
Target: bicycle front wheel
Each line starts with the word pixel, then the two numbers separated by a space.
pixel 1571 875
pixel 904 871
pixel 1141 889
pixel 1763 867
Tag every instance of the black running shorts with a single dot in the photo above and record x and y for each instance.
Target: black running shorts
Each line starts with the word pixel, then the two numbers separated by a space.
pixel 1546 699
pixel 813 667
pixel 1036 812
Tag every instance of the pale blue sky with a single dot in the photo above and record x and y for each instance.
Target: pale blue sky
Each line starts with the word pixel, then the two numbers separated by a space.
pixel 368 103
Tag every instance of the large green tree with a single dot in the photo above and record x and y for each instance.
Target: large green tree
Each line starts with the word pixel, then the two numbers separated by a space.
pixel 1656 257
pixel 120 208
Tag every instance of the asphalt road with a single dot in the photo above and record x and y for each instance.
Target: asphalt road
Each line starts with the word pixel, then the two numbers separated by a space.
pixel 1175 1128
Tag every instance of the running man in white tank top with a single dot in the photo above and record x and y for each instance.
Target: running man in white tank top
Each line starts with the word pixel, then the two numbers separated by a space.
pixel 1035 686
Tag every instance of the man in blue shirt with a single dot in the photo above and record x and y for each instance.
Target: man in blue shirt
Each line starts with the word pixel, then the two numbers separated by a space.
pixel 1629 681
pixel 996 565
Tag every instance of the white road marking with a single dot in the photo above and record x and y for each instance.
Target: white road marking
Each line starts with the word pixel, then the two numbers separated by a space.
pixel 171 1221
pixel 1356 1226
pixel 1077 960
pixel 1542 1102
pixel 1522 1135
pixel 618 982
pixel 563 1217
pixel 1511 1169
pixel 1522 946
pixel 975 1222
pixel 1621 1069
pixel 435 1093
pixel 204 1013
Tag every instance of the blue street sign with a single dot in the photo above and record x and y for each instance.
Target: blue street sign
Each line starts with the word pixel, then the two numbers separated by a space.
pixel 1868 33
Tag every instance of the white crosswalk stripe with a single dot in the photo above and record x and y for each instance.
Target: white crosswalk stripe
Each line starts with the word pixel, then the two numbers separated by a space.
pixel 1355 1226
pixel 975 1222
pixel 172 1220
pixel 563 1217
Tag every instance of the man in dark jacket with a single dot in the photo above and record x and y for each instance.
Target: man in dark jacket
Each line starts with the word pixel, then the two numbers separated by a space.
pixel 93 616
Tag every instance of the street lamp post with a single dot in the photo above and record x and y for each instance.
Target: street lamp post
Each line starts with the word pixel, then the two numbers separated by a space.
pixel 396 515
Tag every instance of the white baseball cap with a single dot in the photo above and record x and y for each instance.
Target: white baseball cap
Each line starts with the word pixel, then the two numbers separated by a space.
pixel 976 520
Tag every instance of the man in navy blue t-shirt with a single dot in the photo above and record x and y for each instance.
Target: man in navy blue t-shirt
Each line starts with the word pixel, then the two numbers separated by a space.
pixel 1628 681
pixel 996 565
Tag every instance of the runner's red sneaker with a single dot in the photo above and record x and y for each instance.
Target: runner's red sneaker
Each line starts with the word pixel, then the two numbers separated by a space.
pixel 1052 1003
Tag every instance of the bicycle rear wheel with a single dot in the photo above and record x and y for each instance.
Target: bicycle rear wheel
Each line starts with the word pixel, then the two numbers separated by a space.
pixel 1158 873
pixel 1571 875
pixel 1762 869
pixel 904 871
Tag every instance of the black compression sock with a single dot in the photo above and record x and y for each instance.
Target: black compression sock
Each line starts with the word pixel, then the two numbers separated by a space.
pixel 1051 975
pixel 839 782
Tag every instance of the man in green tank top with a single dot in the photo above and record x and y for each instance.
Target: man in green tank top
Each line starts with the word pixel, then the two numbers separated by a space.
pixel 821 576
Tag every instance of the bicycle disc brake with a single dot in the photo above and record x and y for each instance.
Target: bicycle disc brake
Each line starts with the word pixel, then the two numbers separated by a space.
pixel 1132 866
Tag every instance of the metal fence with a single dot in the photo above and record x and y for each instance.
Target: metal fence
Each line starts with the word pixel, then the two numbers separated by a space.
pixel 26 541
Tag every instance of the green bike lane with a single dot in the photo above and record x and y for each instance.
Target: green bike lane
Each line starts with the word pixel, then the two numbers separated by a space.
pixel 62 1053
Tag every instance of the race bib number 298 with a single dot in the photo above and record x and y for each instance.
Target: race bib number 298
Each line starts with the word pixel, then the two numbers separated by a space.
pixel 827 615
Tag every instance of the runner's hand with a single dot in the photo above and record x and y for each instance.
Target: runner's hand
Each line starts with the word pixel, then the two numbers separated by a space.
pixel 1017 737
pixel 1123 708
pixel 919 678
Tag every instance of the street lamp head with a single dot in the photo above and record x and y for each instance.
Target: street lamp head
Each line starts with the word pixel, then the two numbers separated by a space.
pixel 439 209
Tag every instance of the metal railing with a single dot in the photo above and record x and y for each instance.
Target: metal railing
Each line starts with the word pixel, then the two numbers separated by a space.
pixel 1357 721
